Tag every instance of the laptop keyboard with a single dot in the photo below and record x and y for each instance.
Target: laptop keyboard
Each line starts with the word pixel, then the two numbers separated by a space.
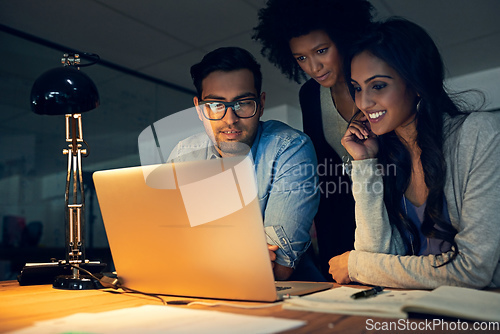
pixel 281 288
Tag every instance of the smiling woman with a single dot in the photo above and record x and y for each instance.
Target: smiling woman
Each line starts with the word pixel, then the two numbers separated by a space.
pixel 435 221
pixel 382 95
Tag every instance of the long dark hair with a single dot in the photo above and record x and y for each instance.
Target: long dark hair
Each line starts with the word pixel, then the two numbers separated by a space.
pixel 281 20
pixel 409 50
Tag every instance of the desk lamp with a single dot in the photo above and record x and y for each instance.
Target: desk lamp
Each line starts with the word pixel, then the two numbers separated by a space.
pixel 67 91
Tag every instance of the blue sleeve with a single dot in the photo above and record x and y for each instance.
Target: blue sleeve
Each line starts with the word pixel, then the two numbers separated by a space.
pixel 292 199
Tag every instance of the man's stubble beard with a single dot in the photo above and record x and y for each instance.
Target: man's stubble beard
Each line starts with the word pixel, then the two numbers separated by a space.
pixel 233 148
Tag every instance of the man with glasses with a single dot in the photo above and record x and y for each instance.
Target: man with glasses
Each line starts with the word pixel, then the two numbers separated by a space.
pixel 230 103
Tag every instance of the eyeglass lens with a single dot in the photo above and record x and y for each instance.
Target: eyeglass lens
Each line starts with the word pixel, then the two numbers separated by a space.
pixel 217 110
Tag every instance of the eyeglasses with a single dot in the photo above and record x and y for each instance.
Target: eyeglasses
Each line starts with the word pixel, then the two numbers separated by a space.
pixel 216 110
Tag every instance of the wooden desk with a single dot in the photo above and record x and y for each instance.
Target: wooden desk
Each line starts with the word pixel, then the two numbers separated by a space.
pixel 21 306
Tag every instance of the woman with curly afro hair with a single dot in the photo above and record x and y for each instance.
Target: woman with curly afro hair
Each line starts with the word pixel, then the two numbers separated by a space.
pixel 309 39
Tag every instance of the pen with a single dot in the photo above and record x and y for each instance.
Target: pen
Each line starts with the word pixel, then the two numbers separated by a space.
pixel 367 293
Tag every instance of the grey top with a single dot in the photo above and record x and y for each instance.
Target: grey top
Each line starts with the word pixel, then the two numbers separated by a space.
pixel 334 125
pixel 472 193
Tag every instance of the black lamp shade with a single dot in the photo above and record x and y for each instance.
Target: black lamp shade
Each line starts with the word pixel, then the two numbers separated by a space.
pixel 63 90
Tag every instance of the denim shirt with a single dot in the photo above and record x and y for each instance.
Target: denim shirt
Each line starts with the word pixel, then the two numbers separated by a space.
pixel 286 170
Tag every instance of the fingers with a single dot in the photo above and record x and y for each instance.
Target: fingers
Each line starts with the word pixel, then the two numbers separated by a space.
pixel 272 249
pixel 360 129
pixel 359 140
pixel 339 268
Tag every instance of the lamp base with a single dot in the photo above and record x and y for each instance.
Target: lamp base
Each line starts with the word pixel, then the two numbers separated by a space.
pixel 45 273
pixel 68 282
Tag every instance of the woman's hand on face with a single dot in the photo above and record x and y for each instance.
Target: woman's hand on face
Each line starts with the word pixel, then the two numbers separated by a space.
pixel 359 141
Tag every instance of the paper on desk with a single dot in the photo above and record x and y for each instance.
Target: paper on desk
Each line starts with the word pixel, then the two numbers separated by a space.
pixel 387 304
pixel 459 302
pixel 162 319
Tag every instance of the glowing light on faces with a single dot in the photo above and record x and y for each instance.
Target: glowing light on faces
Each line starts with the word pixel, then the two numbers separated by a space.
pixel 318 57
pixel 382 95
pixel 231 135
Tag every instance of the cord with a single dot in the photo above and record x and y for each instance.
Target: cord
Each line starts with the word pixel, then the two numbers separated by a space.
pixel 114 283
pixel 129 290
pixel 94 59
pixel 79 268
pixel 88 149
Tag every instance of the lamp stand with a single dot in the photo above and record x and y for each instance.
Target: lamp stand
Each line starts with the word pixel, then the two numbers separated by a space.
pixel 75 209
pixel 67 91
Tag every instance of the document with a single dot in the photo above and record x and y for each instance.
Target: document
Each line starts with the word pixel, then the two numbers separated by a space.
pixel 162 319
pixel 464 303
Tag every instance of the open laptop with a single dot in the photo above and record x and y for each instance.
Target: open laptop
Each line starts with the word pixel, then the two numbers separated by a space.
pixel 191 229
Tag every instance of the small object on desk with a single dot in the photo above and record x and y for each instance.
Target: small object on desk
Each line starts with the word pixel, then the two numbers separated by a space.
pixel 367 293
pixel 179 302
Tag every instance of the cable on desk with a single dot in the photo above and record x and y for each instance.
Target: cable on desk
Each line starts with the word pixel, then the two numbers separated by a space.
pixel 114 283
pixel 129 290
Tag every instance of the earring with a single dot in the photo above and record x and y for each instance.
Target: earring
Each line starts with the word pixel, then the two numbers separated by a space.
pixel 419 105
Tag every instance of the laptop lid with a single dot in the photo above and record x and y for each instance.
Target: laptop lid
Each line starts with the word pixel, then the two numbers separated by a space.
pixel 189 229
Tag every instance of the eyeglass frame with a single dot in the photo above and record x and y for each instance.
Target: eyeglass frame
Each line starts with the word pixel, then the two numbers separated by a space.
pixel 231 105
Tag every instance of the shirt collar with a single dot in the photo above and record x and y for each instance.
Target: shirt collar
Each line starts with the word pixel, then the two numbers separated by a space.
pixel 212 152
pixel 256 141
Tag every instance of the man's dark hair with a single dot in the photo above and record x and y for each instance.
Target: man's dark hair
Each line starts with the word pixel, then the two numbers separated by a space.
pixel 226 59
